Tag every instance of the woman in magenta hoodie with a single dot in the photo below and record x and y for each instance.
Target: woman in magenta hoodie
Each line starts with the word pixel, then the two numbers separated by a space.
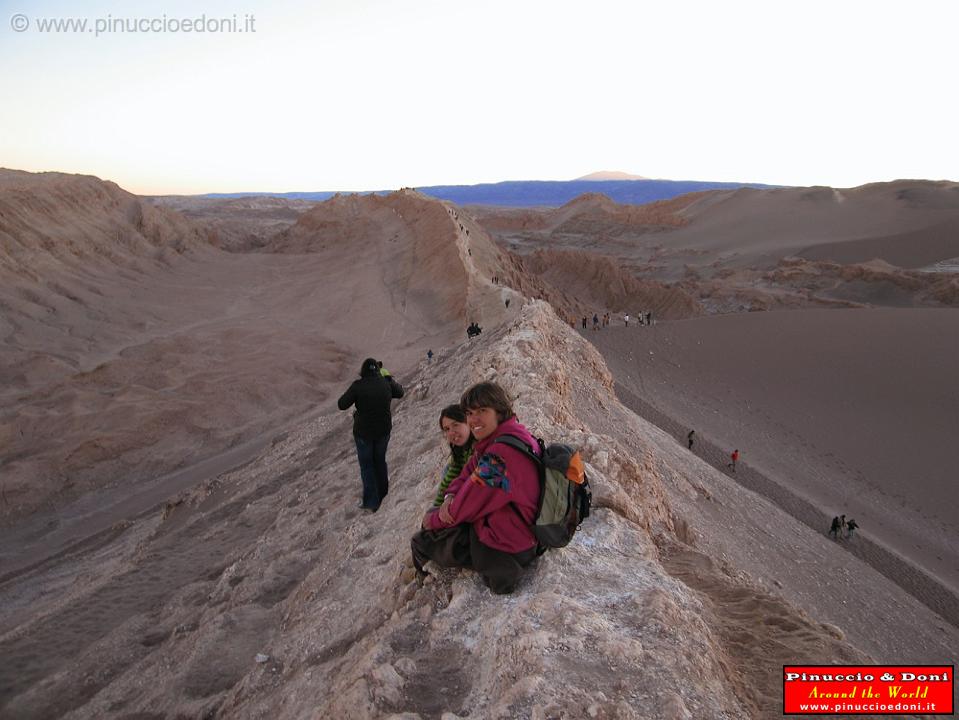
pixel 485 519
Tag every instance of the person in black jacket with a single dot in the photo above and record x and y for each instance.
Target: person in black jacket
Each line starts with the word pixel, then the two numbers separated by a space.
pixel 372 424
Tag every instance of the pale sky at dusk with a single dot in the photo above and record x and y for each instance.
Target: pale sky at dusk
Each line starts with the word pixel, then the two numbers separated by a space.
pixel 378 94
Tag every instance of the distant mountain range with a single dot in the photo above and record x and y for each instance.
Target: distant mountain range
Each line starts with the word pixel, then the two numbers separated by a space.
pixel 544 193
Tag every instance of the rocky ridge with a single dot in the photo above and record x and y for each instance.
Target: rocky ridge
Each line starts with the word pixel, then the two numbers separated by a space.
pixel 283 567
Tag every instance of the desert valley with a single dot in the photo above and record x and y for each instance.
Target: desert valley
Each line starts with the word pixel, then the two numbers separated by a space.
pixel 178 490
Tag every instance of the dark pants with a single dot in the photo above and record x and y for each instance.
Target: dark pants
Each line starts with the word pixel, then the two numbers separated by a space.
pixel 459 546
pixel 371 455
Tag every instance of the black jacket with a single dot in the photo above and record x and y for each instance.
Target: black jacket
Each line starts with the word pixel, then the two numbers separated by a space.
pixel 371 395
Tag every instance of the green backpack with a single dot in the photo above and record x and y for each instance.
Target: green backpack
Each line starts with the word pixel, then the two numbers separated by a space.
pixel 564 494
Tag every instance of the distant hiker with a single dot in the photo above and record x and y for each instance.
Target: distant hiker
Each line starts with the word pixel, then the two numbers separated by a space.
pixel 372 423
pixel 834 528
pixel 842 526
pixel 734 458
pixel 485 522
pixel 584 322
pixel 850 527
pixel 626 318
pixel 595 321
pixel 429 355
pixel 507 302
pixel 689 438
pixel 457 434
pixel 649 319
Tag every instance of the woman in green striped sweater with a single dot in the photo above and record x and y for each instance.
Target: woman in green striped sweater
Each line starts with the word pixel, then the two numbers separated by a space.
pixel 458 435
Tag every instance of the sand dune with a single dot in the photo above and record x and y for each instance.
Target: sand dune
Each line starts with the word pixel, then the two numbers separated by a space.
pixel 737 250
pixel 853 410
pixel 591 213
pixel 910 249
pixel 756 227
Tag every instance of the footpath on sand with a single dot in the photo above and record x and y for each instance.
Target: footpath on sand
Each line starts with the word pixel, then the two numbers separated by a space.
pixel 926 589
pixel 97 517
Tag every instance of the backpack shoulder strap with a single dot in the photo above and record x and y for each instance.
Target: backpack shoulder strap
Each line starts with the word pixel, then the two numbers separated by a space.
pixel 517 444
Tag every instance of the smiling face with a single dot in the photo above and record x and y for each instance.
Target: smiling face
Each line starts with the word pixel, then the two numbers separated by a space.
pixel 482 421
pixel 456 433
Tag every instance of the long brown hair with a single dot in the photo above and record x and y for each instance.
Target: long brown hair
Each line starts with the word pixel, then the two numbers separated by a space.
pixel 488 394
pixel 455 412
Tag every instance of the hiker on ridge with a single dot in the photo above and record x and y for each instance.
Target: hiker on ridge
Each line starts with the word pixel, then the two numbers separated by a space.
pixel 485 521
pixel 734 458
pixel 372 423
pixel 834 528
